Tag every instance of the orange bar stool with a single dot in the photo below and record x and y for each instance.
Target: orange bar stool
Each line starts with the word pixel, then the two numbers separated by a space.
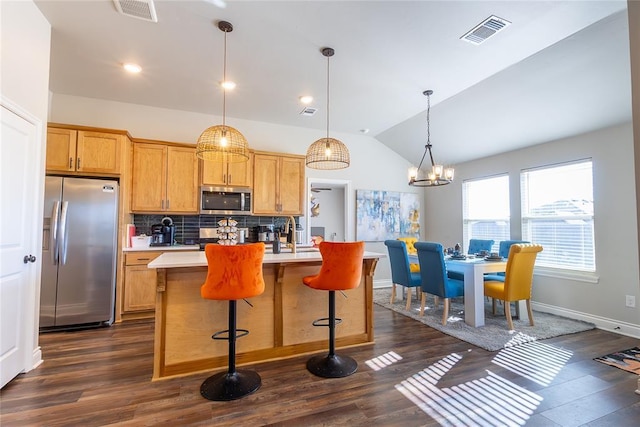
pixel 234 272
pixel 341 270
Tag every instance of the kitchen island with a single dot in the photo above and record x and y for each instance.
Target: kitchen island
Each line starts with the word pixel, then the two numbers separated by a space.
pixel 279 320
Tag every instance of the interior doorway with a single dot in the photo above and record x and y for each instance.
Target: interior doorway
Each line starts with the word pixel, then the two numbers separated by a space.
pixel 329 210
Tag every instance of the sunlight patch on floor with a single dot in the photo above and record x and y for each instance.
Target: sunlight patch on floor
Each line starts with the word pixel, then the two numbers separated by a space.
pixel 383 360
pixel 536 361
pixel 488 401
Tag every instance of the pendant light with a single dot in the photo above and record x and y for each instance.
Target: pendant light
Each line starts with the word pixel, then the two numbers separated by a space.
pixel 222 143
pixel 439 175
pixel 327 153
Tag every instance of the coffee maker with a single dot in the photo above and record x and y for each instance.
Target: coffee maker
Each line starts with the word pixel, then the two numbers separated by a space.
pixel 163 234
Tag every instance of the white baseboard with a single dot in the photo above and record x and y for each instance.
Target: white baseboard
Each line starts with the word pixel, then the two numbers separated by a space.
pixel 387 283
pixel 612 325
pixel 36 358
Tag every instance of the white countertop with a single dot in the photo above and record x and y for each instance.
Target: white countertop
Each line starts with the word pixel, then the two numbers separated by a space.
pixel 163 248
pixel 199 259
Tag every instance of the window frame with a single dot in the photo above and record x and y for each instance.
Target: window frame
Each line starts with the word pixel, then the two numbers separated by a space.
pixel 467 221
pixel 584 268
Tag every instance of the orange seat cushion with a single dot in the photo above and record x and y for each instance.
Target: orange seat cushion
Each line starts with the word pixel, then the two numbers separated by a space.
pixel 234 272
pixel 341 266
pixel 414 268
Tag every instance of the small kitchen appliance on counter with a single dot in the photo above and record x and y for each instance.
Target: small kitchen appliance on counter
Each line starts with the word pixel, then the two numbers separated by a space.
pixel 163 234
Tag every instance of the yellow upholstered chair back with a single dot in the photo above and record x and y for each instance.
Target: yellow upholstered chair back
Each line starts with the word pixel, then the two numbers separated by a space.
pixel 519 272
pixel 409 241
pixel 411 250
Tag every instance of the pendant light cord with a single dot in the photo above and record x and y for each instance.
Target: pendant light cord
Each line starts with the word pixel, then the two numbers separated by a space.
pixel 328 59
pixel 224 81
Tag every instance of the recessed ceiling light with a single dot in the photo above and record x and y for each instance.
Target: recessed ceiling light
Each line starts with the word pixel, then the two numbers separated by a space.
pixel 228 85
pixel 306 99
pixel 132 68
pixel 364 130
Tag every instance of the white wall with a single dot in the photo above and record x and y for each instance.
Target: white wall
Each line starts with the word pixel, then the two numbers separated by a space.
pixel 373 165
pixel 26 40
pixel 616 233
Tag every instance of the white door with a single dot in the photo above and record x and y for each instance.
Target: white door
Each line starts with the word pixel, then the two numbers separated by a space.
pixel 18 268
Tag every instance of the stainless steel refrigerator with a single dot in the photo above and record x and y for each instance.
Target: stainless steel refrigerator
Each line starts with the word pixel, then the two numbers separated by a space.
pixel 78 252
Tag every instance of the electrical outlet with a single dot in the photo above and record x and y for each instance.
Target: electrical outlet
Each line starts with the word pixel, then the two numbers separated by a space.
pixel 630 301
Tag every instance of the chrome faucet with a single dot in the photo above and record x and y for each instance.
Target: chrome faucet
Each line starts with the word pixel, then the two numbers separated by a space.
pixel 291 222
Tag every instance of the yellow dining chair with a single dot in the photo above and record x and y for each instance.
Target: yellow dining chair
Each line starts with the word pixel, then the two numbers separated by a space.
pixel 414 267
pixel 517 280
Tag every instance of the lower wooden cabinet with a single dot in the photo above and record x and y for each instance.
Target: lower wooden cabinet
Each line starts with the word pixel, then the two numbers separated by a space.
pixel 139 290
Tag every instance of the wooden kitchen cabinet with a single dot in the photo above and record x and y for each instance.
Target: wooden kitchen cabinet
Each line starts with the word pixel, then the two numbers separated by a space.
pixel 278 184
pixel 227 174
pixel 139 288
pixel 165 178
pixel 81 151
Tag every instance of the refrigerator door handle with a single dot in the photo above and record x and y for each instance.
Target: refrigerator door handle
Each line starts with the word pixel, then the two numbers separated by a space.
pixel 62 240
pixel 53 232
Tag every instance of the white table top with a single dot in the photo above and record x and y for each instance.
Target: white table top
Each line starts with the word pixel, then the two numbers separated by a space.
pixel 199 259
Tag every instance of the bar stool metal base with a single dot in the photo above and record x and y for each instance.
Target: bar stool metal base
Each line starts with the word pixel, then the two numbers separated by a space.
pixel 332 366
pixel 230 386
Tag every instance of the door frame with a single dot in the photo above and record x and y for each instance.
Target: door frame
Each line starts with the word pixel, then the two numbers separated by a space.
pixel 349 213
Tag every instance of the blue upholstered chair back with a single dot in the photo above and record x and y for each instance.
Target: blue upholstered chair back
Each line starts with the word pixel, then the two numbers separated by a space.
pixel 399 259
pixel 505 245
pixel 433 272
pixel 477 245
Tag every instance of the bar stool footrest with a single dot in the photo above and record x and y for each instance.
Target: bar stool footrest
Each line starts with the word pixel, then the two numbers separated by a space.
pixel 332 366
pixel 224 335
pixel 226 386
pixel 324 321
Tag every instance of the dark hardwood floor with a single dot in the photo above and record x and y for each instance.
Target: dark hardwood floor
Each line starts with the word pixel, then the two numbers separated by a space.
pixel 412 376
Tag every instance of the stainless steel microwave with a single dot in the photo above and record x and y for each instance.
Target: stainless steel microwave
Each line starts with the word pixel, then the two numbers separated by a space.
pixel 225 201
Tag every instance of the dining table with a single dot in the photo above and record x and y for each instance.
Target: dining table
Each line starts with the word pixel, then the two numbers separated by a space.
pixel 473 268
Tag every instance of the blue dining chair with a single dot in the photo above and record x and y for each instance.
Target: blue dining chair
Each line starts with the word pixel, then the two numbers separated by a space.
pixel 478 245
pixel 434 277
pixel 475 246
pixel 401 273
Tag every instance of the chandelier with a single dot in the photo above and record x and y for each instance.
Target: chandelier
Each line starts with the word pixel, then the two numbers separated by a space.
pixel 221 142
pixel 327 153
pixel 439 175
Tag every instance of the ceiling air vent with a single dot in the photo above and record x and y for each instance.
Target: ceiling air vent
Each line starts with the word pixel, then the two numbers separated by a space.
pixel 141 9
pixel 485 29
pixel 308 111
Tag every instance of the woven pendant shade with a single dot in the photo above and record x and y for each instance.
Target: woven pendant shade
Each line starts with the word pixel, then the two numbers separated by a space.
pixel 210 146
pixel 222 143
pixel 327 153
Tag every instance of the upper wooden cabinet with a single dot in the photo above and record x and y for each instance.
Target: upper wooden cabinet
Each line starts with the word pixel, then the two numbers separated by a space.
pixel 278 184
pixel 165 178
pixel 227 174
pixel 81 151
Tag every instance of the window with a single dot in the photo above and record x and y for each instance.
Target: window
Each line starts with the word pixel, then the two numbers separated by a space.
pixel 486 210
pixel 557 213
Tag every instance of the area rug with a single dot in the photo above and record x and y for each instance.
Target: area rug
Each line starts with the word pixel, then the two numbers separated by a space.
pixel 494 335
pixel 627 360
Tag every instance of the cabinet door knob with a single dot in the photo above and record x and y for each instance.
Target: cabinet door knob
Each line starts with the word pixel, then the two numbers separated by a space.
pixel 78 164
pixel 70 162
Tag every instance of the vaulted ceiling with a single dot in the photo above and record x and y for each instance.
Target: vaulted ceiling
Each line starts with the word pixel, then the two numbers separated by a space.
pixel 558 69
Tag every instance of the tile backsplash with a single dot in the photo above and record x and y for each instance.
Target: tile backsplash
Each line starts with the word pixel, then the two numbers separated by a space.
pixel 188 226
